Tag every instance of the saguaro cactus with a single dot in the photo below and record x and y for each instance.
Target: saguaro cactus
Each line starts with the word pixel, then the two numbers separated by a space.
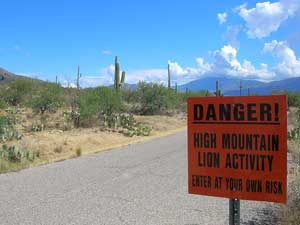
pixel 241 87
pixel 119 83
pixel 78 77
pixel 218 91
pixel 169 77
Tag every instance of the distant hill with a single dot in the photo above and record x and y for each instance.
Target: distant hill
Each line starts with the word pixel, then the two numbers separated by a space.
pixel 225 83
pixel 231 86
pixel 6 76
pixel 290 84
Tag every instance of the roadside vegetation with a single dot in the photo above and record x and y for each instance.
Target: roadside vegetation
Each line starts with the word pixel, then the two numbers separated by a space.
pixel 32 111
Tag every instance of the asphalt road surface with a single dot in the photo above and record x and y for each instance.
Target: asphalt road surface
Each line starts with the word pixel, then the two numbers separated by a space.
pixel 139 184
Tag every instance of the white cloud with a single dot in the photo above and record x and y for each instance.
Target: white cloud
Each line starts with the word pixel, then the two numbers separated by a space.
pixel 182 75
pixel 222 17
pixel 226 63
pixel 289 65
pixel 148 75
pixel 105 77
pixel 267 17
pixel 106 52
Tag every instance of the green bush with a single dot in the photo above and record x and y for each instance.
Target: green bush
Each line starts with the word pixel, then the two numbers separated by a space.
pixel 293 98
pixel 15 154
pixel 7 131
pixel 110 100
pixel 103 102
pixel 3 104
pixel 155 98
pixel 18 91
pixel 294 134
pixel 129 96
pixel 48 99
pixel 132 127
pixel 152 97
pixel 89 104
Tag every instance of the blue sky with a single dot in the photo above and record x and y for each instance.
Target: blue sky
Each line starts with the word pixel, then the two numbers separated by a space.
pixel 255 39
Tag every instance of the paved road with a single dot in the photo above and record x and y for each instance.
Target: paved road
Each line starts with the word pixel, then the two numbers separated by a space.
pixel 138 184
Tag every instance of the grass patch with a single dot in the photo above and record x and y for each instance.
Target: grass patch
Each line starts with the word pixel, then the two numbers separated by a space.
pixel 58 149
pixel 78 151
pixel 8 166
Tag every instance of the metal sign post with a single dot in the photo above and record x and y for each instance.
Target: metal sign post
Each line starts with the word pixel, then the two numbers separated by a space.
pixel 234 211
pixel 234 204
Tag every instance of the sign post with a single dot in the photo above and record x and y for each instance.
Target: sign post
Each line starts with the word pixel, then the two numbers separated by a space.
pixel 234 211
pixel 234 204
pixel 237 149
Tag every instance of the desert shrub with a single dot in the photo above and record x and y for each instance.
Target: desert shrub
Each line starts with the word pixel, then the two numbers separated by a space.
pixel 89 104
pixel 71 119
pixel 294 134
pixel 197 93
pixel 127 121
pixel 17 91
pixel 37 127
pixel 58 149
pixel 48 99
pixel 104 102
pixel 139 129
pixel 129 96
pixel 110 102
pixel 175 100
pixel 111 121
pixel 15 154
pixel 78 151
pixel 155 98
pixel 132 127
pixel 152 97
pixel 293 98
pixel 3 104
pixel 7 131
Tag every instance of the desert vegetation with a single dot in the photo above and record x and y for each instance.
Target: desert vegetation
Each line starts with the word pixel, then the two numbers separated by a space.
pixel 30 109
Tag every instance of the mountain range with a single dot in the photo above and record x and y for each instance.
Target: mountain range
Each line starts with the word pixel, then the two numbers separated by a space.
pixel 231 86
pixel 228 85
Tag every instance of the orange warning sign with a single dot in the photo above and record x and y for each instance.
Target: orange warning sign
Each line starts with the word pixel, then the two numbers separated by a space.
pixel 237 147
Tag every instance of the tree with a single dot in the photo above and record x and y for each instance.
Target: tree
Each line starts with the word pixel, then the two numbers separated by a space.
pixel 49 98
pixel 152 97
pixel 102 101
